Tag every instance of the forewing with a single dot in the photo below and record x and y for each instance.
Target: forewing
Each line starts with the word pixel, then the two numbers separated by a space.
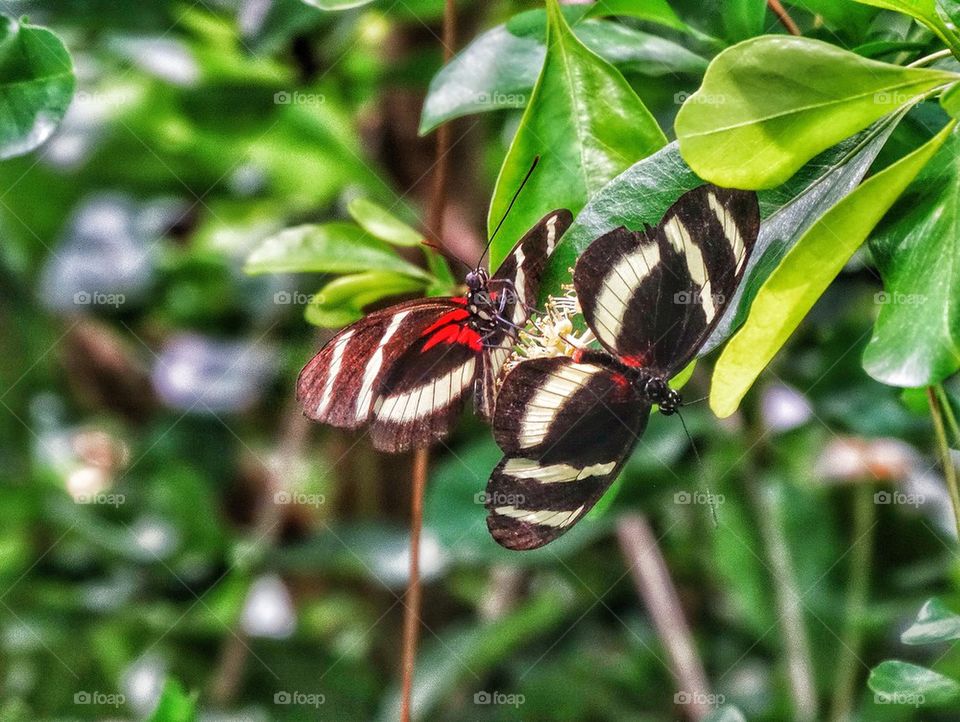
pixel 653 297
pixel 339 384
pixel 423 392
pixel 566 429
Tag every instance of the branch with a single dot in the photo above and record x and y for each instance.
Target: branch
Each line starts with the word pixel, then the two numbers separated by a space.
pixel 784 17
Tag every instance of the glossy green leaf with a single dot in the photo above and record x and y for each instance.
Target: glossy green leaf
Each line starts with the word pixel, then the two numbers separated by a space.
pixel 36 86
pixel 744 19
pixel 923 10
pixel 896 682
pixel 916 338
pixel 175 705
pixel 344 299
pixel 950 9
pixel 327 248
pixel 839 16
pixel 804 274
pixel 381 223
pixel 582 143
pixel 770 104
pixel 499 68
pixel 935 623
pixel 950 100
pixel 654 11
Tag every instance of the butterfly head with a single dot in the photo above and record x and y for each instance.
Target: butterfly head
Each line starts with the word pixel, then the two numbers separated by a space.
pixel 477 280
pixel 662 395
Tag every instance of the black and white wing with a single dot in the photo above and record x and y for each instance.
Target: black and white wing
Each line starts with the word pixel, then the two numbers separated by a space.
pixel 566 429
pixel 517 284
pixel 652 298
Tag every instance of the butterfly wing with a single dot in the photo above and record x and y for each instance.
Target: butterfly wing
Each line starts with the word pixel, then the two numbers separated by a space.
pixel 566 429
pixel 345 383
pixel 517 284
pixel 652 298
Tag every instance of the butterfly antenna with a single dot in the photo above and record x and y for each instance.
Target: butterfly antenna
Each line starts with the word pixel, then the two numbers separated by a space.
pixel 509 207
pixel 446 254
pixel 711 500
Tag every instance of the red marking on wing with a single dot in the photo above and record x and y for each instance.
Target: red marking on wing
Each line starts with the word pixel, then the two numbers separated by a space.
pixel 459 300
pixel 622 382
pixel 637 361
pixel 578 355
pixel 469 337
pixel 447 334
pixel 457 314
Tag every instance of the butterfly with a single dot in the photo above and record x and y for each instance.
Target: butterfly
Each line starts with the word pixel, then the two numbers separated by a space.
pixel 566 424
pixel 408 370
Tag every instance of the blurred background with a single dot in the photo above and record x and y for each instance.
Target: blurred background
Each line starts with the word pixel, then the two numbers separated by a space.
pixel 169 519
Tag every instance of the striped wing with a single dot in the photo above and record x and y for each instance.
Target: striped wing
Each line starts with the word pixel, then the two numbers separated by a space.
pixel 566 429
pixel 517 281
pixel 652 298
pixel 395 368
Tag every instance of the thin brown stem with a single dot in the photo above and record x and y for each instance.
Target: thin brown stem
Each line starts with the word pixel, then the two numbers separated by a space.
pixel 652 579
pixel 781 12
pixel 411 611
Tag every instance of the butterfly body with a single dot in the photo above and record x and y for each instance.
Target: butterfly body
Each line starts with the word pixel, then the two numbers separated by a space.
pixel 408 370
pixel 566 424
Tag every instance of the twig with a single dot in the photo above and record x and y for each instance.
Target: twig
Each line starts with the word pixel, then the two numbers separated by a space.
pixel 784 17
pixel 861 559
pixel 654 585
pixel 421 459
pixel 946 459
pixel 803 691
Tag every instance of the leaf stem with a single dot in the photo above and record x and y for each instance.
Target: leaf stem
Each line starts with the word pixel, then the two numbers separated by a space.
pixel 948 414
pixel 943 446
pixel 861 560
pixel 784 17
pixel 932 57
pixel 411 604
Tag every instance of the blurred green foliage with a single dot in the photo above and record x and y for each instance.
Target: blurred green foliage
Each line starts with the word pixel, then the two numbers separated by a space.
pixel 175 542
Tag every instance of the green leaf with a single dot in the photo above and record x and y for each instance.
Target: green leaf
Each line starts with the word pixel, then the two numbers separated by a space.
pixel 654 11
pixel 916 338
pixel 935 623
pixel 923 10
pixel 36 86
pixel 343 300
pixel 327 248
pixel 950 9
pixel 804 274
pixel 744 19
pixel 381 223
pixel 769 105
pixel 175 705
pixel 583 143
pixel 896 682
pixel 499 68
pixel 950 100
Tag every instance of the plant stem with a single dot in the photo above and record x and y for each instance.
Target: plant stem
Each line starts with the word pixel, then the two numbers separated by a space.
pixel 421 458
pixel 930 58
pixel 948 414
pixel 652 579
pixel 784 17
pixel 943 446
pixel 411 605
pixel 861 559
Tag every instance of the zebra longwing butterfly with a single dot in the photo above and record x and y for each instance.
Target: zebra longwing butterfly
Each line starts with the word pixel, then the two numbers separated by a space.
pixel 407 370
pixel 567 425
